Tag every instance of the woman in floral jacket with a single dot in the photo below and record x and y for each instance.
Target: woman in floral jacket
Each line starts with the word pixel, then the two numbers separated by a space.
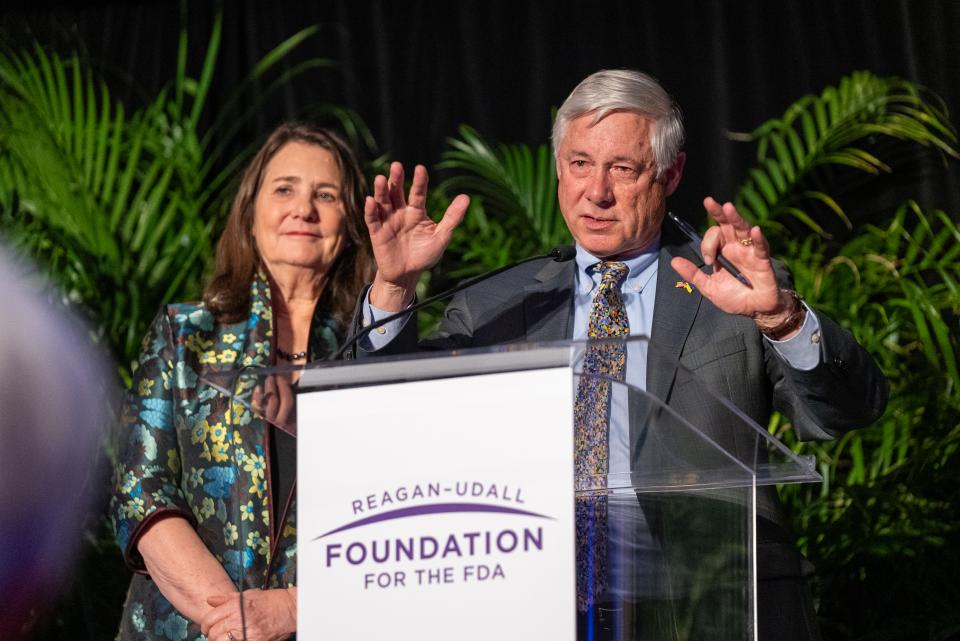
pixel 204 502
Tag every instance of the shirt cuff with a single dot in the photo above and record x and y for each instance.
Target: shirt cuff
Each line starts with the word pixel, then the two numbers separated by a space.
pixel 801 352
pixel 381 336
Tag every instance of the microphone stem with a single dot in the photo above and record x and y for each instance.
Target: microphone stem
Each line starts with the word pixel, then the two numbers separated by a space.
pixel 556 254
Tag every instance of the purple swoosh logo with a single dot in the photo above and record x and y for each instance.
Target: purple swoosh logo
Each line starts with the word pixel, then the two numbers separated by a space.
pixel 435 508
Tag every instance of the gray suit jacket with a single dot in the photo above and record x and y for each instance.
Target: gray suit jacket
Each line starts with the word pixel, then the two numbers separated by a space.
pixel 534 302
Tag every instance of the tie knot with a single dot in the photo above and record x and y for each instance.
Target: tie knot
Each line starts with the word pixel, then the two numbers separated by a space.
pixel 612 273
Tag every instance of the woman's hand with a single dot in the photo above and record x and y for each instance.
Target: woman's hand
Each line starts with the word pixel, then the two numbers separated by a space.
pixel 405 240
pixel 269 615
pixel 182 567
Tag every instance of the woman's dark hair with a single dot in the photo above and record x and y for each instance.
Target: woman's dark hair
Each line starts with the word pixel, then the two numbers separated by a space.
pixel 228 294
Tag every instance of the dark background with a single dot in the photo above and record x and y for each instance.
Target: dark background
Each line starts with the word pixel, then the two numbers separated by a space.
pixel 415 70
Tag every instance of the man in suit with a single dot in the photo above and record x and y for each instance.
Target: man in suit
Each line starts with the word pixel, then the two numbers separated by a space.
pixel 617 142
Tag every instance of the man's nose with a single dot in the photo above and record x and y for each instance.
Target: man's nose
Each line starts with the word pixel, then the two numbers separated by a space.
pixel 599 191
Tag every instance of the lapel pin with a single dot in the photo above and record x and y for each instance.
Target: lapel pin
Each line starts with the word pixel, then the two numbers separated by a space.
pixel 682 284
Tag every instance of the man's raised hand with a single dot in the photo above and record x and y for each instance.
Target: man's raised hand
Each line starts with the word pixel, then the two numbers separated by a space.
pixel 745 247
pixel 405 240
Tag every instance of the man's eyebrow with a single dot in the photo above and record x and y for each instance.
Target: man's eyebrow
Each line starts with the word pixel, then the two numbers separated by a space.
pixel 628 159
pixel 616 159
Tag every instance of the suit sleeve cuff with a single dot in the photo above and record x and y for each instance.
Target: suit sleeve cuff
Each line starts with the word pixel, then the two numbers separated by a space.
pixel 381 336
pixel 802 351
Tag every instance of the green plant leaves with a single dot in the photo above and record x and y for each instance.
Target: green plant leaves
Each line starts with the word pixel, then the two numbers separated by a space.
pixel 888 488
pixel 121 205
pixel 514 210
pixel 835 129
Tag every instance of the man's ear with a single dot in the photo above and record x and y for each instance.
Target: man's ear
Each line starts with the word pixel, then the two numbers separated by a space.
pixel 671 177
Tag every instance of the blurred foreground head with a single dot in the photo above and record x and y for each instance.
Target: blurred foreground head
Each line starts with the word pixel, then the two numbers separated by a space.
pixel 54 391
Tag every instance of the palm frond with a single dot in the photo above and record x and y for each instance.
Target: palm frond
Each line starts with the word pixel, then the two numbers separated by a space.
pixel 838 128
pixel 516 185
pixel 896 288
pixel 120 205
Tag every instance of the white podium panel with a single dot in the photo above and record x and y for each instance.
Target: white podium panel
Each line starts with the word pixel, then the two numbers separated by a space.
pixel 436 498
pixel 442 506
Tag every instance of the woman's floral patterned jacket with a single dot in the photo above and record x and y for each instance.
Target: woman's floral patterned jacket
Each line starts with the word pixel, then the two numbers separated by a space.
pixel 184 451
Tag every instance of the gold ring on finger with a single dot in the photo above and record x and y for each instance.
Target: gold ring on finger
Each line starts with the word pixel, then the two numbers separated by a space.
pixel 746 242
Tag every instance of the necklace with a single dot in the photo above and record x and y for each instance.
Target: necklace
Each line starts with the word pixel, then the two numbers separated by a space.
pixel 291 357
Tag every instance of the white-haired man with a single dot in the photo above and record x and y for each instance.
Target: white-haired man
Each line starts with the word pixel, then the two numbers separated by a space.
pixel 617 141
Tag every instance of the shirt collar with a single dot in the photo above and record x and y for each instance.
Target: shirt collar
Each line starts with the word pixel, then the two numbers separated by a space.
pixel 640 267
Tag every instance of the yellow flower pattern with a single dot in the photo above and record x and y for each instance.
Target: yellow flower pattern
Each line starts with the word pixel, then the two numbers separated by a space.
pixel 247 512
pixel 254 464
pixel 218 433
pixel 173 461
pixel 221 452
pixel 186 449
pixel 207 507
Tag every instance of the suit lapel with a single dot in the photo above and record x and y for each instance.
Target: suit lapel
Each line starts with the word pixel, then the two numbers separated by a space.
pixel 548 303
pixel 673 315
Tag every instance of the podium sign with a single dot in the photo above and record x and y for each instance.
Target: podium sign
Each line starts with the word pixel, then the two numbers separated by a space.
pixel 436 498
pixel 440 506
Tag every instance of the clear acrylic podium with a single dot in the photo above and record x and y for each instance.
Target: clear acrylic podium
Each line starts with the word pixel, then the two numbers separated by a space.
pixel 679 537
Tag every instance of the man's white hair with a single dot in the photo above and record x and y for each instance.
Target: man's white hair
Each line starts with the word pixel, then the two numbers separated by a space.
pixel 625 90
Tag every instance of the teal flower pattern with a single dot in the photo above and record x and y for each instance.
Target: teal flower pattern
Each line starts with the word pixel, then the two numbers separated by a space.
pixel 184 451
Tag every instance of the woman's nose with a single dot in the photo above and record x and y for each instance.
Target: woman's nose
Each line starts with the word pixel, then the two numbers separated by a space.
pixel 305 208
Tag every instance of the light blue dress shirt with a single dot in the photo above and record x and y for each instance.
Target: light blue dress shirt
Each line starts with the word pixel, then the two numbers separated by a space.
pixel 636 565
pixel 639 291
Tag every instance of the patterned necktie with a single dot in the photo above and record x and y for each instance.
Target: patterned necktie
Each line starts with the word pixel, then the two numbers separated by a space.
pixel 591 412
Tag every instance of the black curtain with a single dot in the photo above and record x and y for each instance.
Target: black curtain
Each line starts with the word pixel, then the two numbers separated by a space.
pixel 415 70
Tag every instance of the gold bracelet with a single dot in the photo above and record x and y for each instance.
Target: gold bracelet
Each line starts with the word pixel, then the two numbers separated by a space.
pixel 791 323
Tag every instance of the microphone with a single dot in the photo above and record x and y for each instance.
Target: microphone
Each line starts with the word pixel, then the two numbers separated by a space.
pixel 560 254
